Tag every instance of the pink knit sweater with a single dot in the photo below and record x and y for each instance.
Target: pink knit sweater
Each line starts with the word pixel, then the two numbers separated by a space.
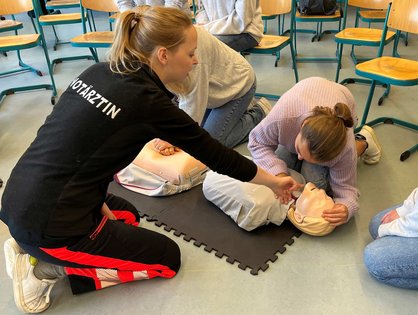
pixel 283 123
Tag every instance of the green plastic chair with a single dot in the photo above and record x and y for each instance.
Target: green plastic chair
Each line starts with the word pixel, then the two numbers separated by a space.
pixel 402 16
pixel 373 16
pixel 8 25
pixel 60 19
pixel 319 21
pixel 94 39
pixel 363 36
pixel 20 42
pixel 273 44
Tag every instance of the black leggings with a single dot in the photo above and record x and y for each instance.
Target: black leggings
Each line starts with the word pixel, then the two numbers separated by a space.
pixel 114 251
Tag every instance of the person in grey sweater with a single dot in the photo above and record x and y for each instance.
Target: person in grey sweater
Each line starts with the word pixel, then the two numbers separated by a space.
pixel 235 22
pixel 219 92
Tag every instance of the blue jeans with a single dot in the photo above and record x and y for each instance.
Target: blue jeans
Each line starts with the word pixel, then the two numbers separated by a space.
pixel 391 259
pixel 231 123
pixel 238 42
pixel 316 174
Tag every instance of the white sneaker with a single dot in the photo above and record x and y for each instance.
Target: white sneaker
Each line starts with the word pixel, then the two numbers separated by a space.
pixel 252 103
pixel 265 105
pixel 373 151
pixel 11 250
pixel 31 294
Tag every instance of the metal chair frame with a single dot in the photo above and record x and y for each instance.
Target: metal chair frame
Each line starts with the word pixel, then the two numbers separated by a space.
pixel 20 42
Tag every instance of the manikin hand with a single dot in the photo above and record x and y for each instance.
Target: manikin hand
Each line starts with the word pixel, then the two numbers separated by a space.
pixel 337 215
pixel 105 211
pixel 390 216
pixel 163 147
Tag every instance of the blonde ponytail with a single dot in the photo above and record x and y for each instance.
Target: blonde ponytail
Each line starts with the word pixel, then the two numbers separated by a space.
pixel 140 31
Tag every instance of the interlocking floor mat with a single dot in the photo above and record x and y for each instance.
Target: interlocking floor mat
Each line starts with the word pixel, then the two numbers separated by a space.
pixel 190 215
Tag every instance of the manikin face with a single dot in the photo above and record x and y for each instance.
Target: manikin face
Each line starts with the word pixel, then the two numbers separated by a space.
pixel 181 60
pixel 312 202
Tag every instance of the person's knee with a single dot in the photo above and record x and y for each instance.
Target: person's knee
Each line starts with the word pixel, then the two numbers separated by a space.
pixel 319 181
pixel 172 257
pixel 373 262
pixel 374 226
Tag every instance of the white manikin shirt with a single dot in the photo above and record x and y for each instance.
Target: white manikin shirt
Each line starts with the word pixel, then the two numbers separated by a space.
pixel 249 205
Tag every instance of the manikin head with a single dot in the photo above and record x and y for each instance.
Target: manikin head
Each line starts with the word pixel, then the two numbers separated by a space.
pixel 307 216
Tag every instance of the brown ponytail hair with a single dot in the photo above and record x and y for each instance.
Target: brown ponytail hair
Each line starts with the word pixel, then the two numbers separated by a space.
pixel 325 131
pixel 140 30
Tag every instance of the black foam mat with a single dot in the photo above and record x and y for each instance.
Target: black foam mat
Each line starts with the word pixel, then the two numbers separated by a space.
pixel 190 215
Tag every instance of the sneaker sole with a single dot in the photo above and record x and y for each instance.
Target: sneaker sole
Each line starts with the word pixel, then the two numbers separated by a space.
pixel 17 285
pixel 371 131
pixel 18 276
pixel 11 250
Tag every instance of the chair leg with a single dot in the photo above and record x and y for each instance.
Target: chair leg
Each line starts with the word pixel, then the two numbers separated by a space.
pixel 340 53
pixel 57 40
pixel 295 69
pixel 406 154
pixel 48 62
pixel 394 121
pixel 94 54
pixel 24 66
pixel 34 26
pixel 367 106
pixel 368 81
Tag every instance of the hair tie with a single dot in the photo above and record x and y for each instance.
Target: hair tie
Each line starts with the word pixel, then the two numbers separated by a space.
pixel 135 20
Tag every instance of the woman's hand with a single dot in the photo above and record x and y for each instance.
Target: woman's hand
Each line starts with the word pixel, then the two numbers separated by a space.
pixel 286 184
pixel 390 216
pixel 164 147
pixel 282 185
pixel 105 211
pixel 337 215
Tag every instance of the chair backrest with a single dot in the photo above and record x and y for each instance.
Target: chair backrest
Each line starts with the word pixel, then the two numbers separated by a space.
pixel 9 7
pixel 370 4
pixel 275 7
pixel 100 5
pixel 403 16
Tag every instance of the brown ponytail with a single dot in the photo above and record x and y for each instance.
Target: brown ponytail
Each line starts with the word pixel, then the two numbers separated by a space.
pixel 140 30
pixel 325 131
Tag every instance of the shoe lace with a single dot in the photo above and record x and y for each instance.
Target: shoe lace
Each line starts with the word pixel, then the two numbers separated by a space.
pixel 44 292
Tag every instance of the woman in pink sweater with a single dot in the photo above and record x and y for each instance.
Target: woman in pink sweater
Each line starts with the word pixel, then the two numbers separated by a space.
pixel 310 130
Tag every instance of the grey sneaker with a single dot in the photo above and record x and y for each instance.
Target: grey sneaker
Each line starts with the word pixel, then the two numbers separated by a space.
pixel 373 151
pixel 31 294
pixel 265 105
pixel 11 250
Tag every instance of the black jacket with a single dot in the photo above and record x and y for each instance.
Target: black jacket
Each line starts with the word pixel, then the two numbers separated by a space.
pixel 99 125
